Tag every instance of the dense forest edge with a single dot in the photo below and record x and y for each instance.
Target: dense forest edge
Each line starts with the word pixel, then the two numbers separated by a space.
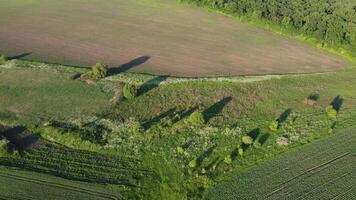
pixel 329 25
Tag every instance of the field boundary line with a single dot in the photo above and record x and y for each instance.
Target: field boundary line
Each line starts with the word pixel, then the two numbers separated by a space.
pixel 63 186
pixel 305 172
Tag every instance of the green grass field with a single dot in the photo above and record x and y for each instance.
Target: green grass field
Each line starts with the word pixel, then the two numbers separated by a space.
pixel 177 39
pixel 153 125
pixel 323 170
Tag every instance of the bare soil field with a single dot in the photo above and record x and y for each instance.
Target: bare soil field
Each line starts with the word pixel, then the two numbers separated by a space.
pixel 151 36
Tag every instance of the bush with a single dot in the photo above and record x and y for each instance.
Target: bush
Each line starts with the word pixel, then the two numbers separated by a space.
pixel 240 151
pixel 274 125
pixel 331 112
pixel 193 164
pixel 196 118
pixel 129 91
pixel 3 59
pixel 180 150
pixel 247 140
pixel 3 146
pixel 228 159
pixel 99 71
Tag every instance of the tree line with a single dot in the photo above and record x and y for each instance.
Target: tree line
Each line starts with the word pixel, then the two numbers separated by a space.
pixel 329 21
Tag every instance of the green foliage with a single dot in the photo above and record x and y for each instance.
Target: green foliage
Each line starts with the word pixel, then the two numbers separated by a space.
pixel 331 112
pixel 331 22
pixel 228 159
pixel 247 140
pixel 129 91
pixel 99 71
pixel 180 150
pixel 3 59
pixel 196 119
pixel 257 145
pixel 274 126
pixel 193 164
pixel 3 146
pixel 240 151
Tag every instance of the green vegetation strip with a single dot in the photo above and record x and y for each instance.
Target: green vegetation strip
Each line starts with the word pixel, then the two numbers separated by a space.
pixel 321 170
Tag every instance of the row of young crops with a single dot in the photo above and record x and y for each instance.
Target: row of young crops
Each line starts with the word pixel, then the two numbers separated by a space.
pixel 78 164
pixel 324 169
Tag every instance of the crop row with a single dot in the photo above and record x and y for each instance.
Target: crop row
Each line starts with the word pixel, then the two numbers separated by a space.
pixel 79 165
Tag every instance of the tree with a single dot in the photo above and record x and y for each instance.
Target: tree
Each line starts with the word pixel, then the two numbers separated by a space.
pixel 129 91
pixel 99 71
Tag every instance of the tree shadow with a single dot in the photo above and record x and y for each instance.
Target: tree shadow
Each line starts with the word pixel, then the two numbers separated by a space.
pixel 20 138
pixel 19 56
pixel 314 97
pixel 205 154
pixel 212 163
pixel 254 133
pixel 216 109
pixel 127 66
pixel 262 140
pixel 337 103
pixel 148 124
pixel 284 116
pixel 151 84
pixel 186 113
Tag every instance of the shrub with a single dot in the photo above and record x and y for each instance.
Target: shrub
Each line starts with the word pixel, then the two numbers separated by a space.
pixel 196 118
pixel 193 164
pixel 129 91
pixel 247 140
pixel 257 144
pixel 331 112
pixel 99 71
pixel 180 150
pixel 228 159
pixel 3 59
pixel 240 151
pixel 3 146
pixel 274 125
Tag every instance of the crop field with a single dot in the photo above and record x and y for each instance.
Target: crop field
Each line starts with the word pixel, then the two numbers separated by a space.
pixel 323 170
pixel 19 184
pixel 153 36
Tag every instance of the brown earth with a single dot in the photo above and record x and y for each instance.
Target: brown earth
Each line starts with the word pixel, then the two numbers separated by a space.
pixel 179 40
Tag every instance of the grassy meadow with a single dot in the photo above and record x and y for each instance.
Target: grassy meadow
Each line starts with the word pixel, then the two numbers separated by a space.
pixel 200 125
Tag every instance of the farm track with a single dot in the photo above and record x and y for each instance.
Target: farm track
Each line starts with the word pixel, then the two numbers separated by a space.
pixel 58 185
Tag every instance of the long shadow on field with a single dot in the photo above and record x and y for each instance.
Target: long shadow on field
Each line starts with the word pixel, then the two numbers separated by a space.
pixel 151 84
pixel 148 124
pixel 262 140
pixel 284 116
pixel 186 113
pixel 254 133
pixel 337 103
pixel 216 109
pixel 127 66
pixel 20 138
pixel 19 56
pixel 205 155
